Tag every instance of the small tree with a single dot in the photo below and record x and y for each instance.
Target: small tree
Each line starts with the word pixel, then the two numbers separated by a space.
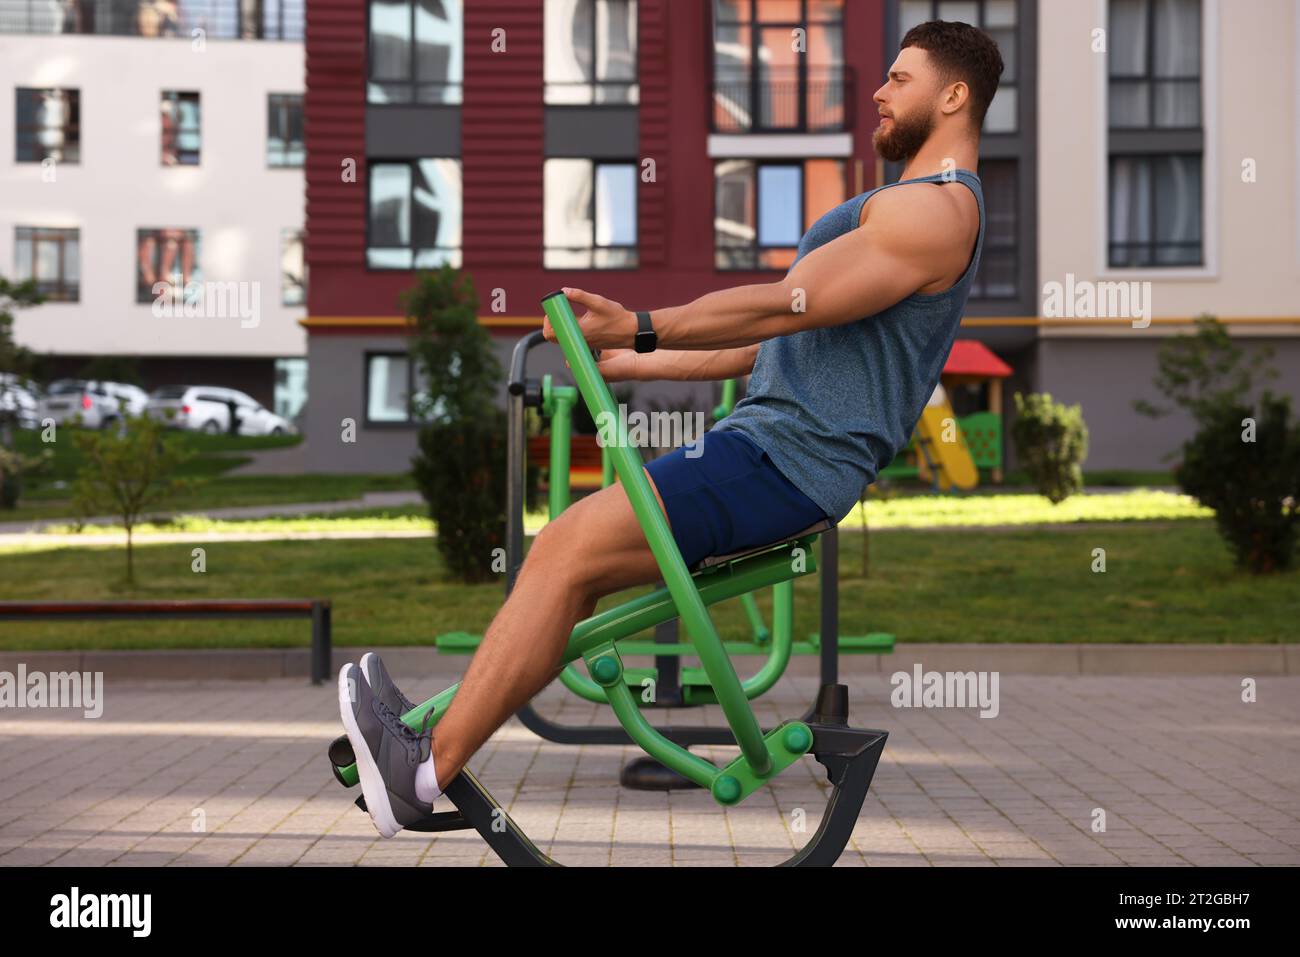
pixel 13 357
pixel 1245 464
pixel 1052 440
pixel 127 472
pixel 15 361
pixel 460 466
pixel 882 490
pixel 1206 371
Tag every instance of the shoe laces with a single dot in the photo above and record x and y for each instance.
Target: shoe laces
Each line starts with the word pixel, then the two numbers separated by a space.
pixel 412 740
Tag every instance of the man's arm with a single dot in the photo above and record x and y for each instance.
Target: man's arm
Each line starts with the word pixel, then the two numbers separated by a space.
pixel 618 365
pixel 907 242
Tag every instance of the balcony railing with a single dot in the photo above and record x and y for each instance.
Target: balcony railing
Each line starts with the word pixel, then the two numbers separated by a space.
pixel 817 101
pixel 218 19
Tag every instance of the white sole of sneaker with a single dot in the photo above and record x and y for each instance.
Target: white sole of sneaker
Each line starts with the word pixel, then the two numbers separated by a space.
pixel 364 665
pixel 372 783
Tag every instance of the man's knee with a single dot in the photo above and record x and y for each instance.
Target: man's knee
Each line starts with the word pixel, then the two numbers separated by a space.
pixel 557 551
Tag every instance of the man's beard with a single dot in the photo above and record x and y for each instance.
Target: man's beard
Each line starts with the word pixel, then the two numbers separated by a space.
pixel 904 139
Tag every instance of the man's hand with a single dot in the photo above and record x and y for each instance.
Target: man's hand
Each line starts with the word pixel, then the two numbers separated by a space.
pixel 618 365
pixel 605 324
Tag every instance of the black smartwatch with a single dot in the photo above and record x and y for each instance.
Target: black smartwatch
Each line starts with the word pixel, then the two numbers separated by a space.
pixel 646 339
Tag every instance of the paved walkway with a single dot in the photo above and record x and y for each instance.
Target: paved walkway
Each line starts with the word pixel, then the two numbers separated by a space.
pixel 235 773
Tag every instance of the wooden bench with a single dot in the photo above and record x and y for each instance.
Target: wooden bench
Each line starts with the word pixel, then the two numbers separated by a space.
pixel 317 609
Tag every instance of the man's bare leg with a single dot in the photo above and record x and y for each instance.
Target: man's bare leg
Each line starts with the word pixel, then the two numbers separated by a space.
pixel 594 548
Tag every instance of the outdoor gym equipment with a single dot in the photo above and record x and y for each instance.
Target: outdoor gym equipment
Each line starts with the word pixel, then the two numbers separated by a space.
pixel 850 755
pixel 674 685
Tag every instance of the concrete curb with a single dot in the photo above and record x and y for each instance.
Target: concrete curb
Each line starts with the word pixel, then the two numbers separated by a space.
pixel 1070 659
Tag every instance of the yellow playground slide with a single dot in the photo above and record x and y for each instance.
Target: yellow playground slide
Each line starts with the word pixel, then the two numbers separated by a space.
pixel 942 447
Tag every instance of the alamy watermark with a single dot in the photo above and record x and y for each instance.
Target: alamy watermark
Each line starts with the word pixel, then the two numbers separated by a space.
pixel 946 689
pixel 75 909
pixel 209 300
pixel 660 429
pixel 56 689
pixel 1085 299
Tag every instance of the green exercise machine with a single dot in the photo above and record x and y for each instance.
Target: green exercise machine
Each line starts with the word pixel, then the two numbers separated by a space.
pixel 674 686
pixel 849 755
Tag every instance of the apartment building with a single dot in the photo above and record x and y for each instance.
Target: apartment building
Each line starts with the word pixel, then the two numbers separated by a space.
pixel 655 150
pixel 1170 171
pixel 151 181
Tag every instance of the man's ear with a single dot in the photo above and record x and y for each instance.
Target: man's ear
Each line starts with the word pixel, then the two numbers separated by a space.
pixel 953 98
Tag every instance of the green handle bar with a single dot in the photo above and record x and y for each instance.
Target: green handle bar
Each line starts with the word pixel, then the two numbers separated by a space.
pixel 631 472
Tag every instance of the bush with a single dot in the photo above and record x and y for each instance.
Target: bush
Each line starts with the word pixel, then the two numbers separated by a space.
pixel 1251 485
pixel 1052 442
pixel 13 466
pixel 1252 481
pixel 460 465
pixel 461 472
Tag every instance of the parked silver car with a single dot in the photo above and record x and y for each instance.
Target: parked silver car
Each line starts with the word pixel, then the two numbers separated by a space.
pixel 94 405
pixel 204 408
pixel 19 398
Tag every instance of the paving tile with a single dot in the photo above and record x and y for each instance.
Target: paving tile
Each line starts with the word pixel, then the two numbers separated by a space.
pixel 1183 780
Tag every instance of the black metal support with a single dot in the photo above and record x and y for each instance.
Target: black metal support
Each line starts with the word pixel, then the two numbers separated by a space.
pixel 849 755
pixel 830 606
pixel 321 641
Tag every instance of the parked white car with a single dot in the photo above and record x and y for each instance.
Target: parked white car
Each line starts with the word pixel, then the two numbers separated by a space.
pixel 18 398
pixel 203 408
pixel 94 405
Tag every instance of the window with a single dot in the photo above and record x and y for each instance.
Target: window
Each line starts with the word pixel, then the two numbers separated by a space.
pixel 167 264
pixel 1005 278
pixel 290 387
pixel 761 83
pixel 589 214
pixel 998 274
pixel 1155 210
pixel 590 52
pixel 1154 64
pixel 181 136
pixel 416 51
pixel 762 208
pixel 998 19
pixel 53 258
pixel 1156 140
pixel 415 214
pixel 284 141
pixel 48 126
pixel 221 19
pixel 391 385
pixel 278 20
pixel 293 270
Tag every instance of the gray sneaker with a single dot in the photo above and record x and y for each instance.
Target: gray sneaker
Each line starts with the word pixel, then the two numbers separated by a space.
pixel 387 754
pixel 381 683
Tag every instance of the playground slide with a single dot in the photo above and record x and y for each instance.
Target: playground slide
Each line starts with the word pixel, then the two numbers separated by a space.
pixel 951 459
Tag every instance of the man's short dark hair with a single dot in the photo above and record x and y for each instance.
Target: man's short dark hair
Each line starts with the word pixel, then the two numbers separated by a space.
pixel 961 52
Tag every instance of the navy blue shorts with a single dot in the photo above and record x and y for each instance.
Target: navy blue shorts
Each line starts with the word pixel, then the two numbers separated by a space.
pixel 728 497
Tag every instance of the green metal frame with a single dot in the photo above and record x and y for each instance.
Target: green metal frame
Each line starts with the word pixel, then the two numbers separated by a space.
pixel 683 596
pixel 557 404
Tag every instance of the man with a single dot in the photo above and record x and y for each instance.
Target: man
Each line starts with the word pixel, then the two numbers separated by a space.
pixel 844 353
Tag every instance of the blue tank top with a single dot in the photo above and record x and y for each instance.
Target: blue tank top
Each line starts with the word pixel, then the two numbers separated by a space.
pixel 833 406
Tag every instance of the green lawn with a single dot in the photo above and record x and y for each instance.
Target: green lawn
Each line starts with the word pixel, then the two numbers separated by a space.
pixel 919 511
pixel 47 495
pixel 1169 583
